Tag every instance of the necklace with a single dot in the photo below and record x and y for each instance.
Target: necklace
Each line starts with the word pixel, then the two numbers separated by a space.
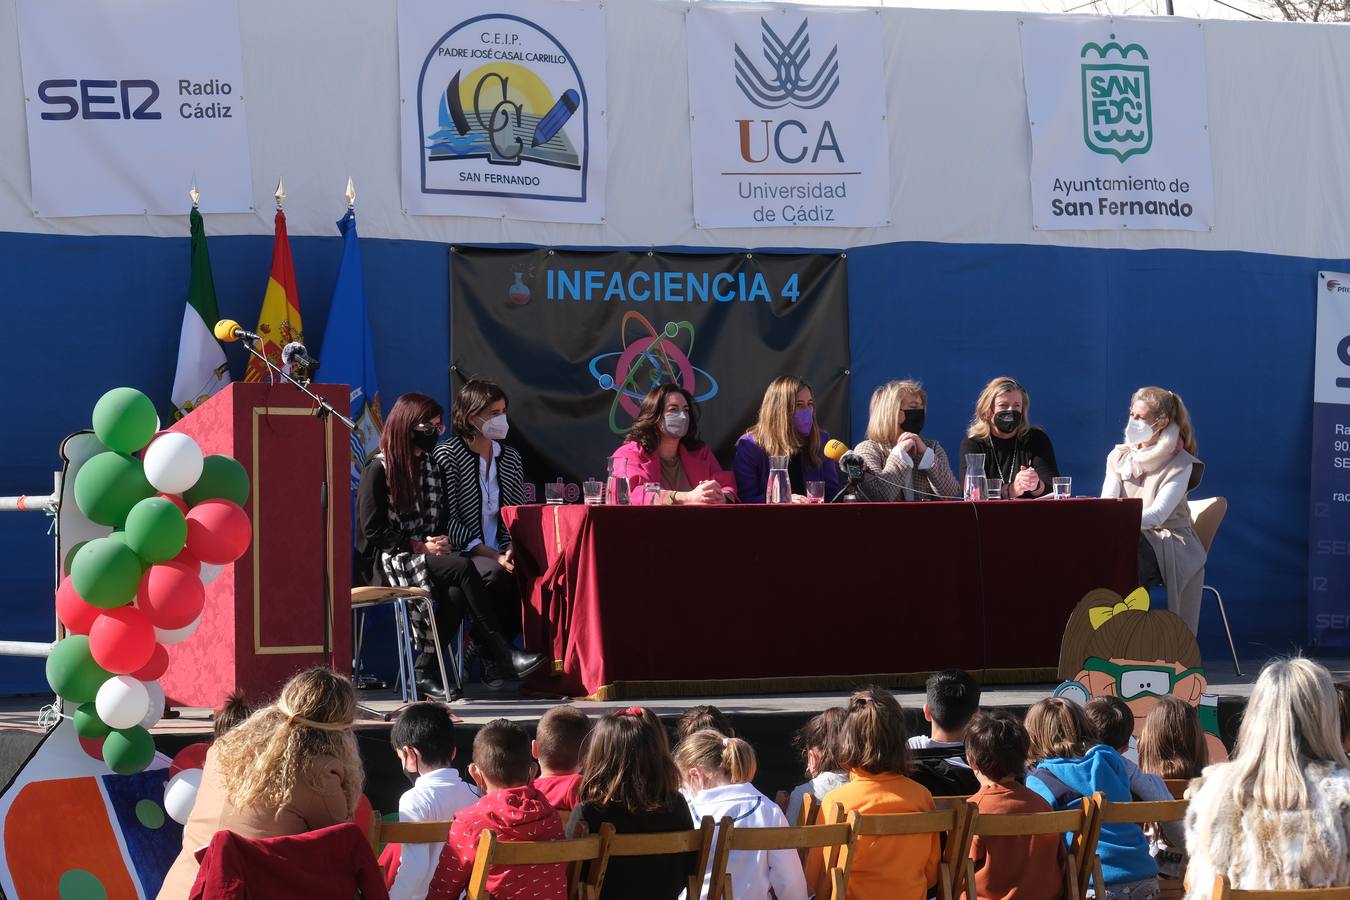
pixel 1004 466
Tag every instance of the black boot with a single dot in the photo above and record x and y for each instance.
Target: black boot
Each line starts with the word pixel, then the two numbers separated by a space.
pixel 517 662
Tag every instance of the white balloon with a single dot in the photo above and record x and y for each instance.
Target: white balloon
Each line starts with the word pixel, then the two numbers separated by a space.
pixel 181 793
pixel 156 708
pixel 210 572
pixel 176 635
pixel 122 702
pixel 173 463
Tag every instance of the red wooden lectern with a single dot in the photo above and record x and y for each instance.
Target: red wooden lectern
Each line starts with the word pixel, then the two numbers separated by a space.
pixel 264 616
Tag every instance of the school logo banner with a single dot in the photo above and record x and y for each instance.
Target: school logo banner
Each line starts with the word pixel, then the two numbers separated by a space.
pixel 129 104
pixel 1119 123
pixel 577 339
pixel 503 109
pixel 787 117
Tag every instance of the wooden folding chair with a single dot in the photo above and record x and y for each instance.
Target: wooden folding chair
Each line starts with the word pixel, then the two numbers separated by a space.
pixel 382 832
pixel 802 838
pixel 576 851
pixel 1139 813
pixel 1177 786
pixel 664 843
pixel 1225 891
pixel 949 821
pixel 1023 825
pixel 809 811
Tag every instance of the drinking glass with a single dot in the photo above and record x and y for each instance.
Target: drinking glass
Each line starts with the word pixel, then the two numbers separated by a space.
pixel 651 491
pixel 553 491
pixel 779 489
pixel 1063 487
pixel 815 492
pixel 995 488
pixel 592 490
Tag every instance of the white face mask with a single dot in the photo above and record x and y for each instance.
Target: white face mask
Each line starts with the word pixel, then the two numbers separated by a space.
pixel 1137 431
pixel 676 424
pixel 495 428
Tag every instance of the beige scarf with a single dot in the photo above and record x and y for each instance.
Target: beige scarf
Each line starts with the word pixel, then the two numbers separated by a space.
pixel 1134 462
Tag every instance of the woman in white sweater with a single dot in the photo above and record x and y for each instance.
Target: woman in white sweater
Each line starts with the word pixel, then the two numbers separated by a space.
pixel 1277 815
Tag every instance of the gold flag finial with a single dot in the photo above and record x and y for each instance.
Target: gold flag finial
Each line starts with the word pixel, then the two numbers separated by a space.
pixel 351 193
pixel 195 194
pixel 281 192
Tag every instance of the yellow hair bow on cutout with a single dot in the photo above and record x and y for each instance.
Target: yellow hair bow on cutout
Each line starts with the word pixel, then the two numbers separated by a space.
pixel 1100 615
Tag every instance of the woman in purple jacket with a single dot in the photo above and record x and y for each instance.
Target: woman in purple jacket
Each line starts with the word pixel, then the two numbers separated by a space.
pixel 786 427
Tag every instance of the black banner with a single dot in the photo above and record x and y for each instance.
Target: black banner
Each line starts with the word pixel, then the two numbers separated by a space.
pixel 577 338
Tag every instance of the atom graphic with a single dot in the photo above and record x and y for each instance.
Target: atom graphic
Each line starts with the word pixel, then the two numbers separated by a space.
pixel 648 362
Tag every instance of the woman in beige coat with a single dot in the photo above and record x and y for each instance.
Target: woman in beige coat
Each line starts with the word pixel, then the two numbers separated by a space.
pixel 292 767
pixel 1157 464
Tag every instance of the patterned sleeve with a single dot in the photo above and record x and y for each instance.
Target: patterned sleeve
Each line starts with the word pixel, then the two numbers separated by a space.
pixel 511 478
pixel 884 473
pixel 940 477
pixel 460 535
pixel 456 862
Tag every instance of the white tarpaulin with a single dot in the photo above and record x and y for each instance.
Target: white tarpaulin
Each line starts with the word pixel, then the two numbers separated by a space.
pixel 129 101
pixel 503 109
pixel 787 117
pixel 1119 123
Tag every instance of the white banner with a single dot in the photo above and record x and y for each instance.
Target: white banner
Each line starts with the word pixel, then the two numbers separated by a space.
pixel 1119 123
pixel 129 101
pixel 503 109
pixel 787 117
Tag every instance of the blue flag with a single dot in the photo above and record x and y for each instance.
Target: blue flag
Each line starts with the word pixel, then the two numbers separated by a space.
pixel 348 353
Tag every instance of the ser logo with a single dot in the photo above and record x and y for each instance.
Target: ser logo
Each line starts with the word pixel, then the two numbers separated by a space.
pixel 129 98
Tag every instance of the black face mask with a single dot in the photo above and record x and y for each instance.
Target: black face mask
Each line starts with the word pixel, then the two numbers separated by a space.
pixel 913 421
pixel 424 440
pixel 1008 420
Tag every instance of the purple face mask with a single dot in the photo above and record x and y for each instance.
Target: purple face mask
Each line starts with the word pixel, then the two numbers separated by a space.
pixel 804 418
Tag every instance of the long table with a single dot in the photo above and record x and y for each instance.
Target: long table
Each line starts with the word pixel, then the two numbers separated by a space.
pixel 658 601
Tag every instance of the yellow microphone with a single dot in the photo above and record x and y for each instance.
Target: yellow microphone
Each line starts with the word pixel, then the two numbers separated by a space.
pixel 835 450
pixel 228 330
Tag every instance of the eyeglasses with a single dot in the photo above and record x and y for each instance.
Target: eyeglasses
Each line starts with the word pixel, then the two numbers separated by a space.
pixel 425 427
pixel 1133 682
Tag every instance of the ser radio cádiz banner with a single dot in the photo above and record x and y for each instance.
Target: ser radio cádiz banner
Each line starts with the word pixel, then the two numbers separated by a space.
pixel 576 339
pixel 503 109
pixel 1329 523
pixel 787 117
pixel 1119 123
pixel 129 103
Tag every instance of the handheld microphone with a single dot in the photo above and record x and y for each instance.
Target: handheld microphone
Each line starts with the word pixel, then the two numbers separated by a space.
pixel 228 330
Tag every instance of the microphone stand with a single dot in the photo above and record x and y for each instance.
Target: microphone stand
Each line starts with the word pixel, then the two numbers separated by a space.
pixel 849 493
pixel 322 410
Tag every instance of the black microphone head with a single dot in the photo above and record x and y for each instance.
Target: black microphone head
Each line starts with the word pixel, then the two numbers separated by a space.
pixel 291 351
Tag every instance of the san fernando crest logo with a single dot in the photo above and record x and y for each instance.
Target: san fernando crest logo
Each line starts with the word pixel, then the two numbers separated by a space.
pixel 1117 110
pixel 787 82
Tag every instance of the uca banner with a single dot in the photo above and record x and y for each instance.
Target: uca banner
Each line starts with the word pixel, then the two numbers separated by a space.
pixel 576 339
pixel 1119 123
pixel 502 109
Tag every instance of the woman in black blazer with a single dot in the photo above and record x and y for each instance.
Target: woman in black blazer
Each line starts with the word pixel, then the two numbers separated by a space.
pixel 481 476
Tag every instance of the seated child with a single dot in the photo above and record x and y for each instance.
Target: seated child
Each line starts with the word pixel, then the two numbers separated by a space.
pixel 1069 765
pixel 953 697
pixel 1114 722
pixel 1026 868
pixel 557 746
pixel 424 741
pixel 818 742
pixel 1172 745
pixel 231 715
pixel 513 810
pixel 874 750
pixel 697 718
pixel 716 771
pixel 628 779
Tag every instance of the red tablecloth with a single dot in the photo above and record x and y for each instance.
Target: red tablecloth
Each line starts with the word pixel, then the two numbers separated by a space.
pixel 645 601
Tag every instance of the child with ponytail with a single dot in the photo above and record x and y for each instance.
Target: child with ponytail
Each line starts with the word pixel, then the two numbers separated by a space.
pixel 716 771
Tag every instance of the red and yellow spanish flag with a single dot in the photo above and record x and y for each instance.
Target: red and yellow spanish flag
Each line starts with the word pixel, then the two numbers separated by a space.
pixel 279 321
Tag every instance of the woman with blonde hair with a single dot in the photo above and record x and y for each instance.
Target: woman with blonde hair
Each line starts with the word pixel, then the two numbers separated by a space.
pixel 1157 464
pixel 898 464
pixel 291 767
pixel 786 426
pixel 1277 815
pixel 1016 452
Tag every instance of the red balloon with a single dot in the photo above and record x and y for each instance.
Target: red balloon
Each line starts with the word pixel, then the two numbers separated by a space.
pixel 74 613
pixel 171 595
pixel 92 746
pixel 176 501
pixel 184 558
pixel 122 640
pixel 156 667
pixel 218 531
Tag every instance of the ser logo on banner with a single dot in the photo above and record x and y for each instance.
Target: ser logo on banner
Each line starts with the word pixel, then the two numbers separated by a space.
pixel 129 98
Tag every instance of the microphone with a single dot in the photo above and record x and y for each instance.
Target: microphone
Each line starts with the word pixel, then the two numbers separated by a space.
pixel 295 353
pixel 228 330
pixel 851 464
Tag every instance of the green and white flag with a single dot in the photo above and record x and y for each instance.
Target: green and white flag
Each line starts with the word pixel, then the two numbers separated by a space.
pixel 202 369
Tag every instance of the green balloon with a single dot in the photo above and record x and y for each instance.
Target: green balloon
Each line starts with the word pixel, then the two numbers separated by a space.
pixel 121 537
pixel 222 478
pixel 72 672
pixel 70 557
pixel 129 750
pixel 88 724
pixel 125 420
pixel 156 530
pixel 106 573
pixel 108 486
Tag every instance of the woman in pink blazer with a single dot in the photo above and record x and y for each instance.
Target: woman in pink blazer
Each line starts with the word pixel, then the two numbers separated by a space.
pixel 663 448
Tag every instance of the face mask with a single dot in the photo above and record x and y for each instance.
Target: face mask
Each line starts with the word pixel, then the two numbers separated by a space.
pixel 913 420
pixel 495 428
pixel 1008 420
pixel 424 440
pixel 804 419
pixel 1137 431
pixel 676 424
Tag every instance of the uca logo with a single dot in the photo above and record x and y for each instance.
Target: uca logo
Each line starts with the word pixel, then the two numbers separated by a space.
pixel 788 82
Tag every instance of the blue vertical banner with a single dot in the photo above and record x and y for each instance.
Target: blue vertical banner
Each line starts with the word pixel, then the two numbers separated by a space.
pixel 1329 530
pixel 348 352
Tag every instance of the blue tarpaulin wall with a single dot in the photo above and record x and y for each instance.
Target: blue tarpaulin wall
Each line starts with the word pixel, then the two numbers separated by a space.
pixel 1082 328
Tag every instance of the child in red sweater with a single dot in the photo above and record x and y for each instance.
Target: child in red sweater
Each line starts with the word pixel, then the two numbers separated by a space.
pixel 513 810
pixel 557 746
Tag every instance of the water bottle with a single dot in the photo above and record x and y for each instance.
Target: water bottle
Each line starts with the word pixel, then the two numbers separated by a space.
pixel 616 485
pixel 977 485
pixel 779 488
